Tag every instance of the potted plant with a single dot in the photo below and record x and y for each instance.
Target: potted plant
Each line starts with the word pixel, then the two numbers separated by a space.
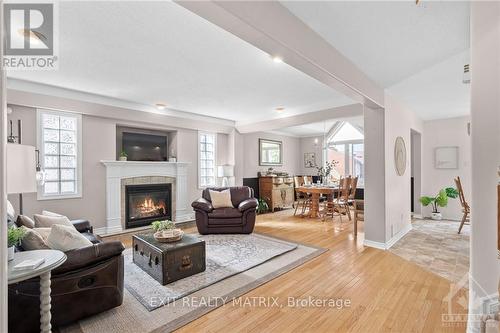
pixel 165 231
pixel 123 155
pixel 262 206
pixel 325 171
pixel 14 237
pixel 440 200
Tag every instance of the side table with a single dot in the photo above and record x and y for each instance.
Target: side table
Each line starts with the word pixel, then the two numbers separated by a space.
pixel 53 259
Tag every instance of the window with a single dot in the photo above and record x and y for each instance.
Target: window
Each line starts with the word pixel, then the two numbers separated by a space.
pixel 206 154
pixel 346 146
pixel 59 141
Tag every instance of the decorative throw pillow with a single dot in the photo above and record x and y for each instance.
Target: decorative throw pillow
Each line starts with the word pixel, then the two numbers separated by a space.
pixel 44 221
pixel 65 238
pixel 11 213
pixel 23 220
pixel 33 239
pixel 48 213
pixel 221 199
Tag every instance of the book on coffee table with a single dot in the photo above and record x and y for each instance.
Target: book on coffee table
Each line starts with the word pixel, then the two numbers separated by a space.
pixel 29 264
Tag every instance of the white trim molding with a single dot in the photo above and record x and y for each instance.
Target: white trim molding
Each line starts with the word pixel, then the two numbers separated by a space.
pixel 391 242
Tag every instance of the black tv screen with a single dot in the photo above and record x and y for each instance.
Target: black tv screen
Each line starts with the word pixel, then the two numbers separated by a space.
pixel 144 147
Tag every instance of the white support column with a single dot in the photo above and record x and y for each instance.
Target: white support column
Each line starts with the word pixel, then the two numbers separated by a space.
pixel 374 195
pixel 485 146
pixel 3 187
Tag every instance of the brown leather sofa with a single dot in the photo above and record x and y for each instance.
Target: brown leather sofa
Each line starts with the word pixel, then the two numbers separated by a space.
pixel 89 282
pixel 239 219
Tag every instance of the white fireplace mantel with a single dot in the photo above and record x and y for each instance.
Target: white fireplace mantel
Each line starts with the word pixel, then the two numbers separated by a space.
pixel 118 170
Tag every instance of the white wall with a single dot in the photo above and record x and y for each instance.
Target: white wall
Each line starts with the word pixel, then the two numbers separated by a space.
pixel 439 133
pixel 307 145
pixel 249 143
pixel 485 142
pixel 399 121
pixel 99 143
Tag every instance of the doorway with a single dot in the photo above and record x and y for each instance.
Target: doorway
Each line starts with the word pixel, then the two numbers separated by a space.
pixel 416 173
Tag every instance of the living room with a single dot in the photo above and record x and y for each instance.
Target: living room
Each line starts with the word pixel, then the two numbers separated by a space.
pixel 206 162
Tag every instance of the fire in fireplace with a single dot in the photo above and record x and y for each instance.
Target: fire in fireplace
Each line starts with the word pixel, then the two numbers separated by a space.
pixel 147 203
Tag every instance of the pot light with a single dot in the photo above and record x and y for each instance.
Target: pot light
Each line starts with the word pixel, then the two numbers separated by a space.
pixel 280 109
pixel 277 59
pixel 160 106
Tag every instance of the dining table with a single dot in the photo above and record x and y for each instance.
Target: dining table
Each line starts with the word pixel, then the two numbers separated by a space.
pixel 316 191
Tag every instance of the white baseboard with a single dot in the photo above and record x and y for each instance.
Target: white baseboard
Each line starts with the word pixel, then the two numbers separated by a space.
pixel 377 245
pixel 391 242
pixel 398 236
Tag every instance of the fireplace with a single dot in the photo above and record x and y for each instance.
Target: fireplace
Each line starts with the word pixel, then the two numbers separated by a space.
pixel 147 203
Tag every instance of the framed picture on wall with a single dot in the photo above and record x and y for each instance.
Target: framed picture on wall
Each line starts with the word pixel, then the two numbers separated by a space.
pixel 309 160
pixel 446 157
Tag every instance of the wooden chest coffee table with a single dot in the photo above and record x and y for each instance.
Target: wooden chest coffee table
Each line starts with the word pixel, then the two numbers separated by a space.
pixel 169 262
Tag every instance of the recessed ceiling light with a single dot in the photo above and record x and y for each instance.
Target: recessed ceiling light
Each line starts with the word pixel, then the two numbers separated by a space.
pixel 280 109
pixel 277 59
pixel 160 106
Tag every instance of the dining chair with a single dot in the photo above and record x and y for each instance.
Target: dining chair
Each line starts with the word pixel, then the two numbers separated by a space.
pixel 359 214
pixel 352 192
pixel 339 205
pixel 463 202
pixel 302 199
pixel 342 201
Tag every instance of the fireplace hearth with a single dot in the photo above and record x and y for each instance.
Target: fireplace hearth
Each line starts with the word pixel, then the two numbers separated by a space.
pixel 147 203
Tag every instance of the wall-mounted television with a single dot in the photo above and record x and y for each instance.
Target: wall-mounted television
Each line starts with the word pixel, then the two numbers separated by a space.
pixel 145 147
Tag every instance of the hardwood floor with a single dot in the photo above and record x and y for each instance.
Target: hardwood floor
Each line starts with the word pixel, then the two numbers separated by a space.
pixel 387 293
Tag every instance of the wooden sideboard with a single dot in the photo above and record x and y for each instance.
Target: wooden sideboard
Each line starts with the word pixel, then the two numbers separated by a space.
pixel 277 191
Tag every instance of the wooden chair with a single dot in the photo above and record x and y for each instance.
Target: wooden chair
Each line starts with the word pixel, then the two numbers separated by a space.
pixel 352 191
pixel 463 202
pixel 302 199
pixel 340 204
pixel 359 214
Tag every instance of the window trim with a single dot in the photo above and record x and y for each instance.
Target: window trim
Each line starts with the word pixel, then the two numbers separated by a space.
pixel 200 133
pixel 79 147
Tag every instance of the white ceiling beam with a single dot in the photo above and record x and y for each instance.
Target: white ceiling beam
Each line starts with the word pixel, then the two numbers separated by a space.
pixel 341 112
pixel 271 27
pixel 135 116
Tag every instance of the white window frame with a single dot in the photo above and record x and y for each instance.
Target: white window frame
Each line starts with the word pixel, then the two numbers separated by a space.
pixel 41 146
pixel 200 133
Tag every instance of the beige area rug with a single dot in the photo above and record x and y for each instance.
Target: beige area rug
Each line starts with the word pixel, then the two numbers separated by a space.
pixel 132 316
pixel 437 247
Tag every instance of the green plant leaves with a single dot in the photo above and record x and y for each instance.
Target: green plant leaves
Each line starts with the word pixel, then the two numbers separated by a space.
pixel 442 198
pixel 426 201
pixel 451 192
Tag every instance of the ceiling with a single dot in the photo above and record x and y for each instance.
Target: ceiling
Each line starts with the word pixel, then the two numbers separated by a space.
pixel 416 51
pixel 389 40
pixel 437 92
pixel 159 52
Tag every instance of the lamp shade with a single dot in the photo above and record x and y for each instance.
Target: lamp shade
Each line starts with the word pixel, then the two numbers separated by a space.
pixel 225 170
pixel 21 169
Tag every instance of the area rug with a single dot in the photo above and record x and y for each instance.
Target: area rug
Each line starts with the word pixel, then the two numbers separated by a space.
pixel 437 247
pixel 133 316
pixel 226 255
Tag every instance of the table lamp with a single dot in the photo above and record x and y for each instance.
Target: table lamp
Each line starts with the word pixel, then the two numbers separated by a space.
pixel 21 170
pixel 225 171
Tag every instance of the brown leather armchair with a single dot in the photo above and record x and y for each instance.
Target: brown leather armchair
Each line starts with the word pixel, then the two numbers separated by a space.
pixel 239 219
pixel 89 282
